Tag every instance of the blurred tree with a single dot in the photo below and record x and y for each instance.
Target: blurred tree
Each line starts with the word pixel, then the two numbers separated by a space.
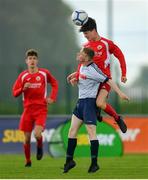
pixel 42 25
pixel 36 24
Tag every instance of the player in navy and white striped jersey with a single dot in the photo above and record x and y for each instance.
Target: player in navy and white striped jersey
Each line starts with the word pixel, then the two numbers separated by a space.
pixel 89 79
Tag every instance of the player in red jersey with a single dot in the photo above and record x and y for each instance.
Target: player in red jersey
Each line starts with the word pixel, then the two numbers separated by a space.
pixel 32 84
pixel 103 48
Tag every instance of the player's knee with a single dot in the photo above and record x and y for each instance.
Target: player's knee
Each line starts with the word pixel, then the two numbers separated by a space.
pixel 72 133
pixel 91 133
pixel 37 135
pixel 27 141
pixel 100 104
pixel 27 138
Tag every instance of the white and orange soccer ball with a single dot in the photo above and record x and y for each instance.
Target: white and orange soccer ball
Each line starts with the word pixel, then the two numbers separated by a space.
pixel 79 17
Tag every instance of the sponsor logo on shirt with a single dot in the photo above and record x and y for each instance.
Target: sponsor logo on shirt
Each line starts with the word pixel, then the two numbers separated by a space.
pixel 28 79
pixel 35 85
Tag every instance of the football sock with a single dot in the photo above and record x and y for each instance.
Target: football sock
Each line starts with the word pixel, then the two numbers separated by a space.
pixel 40 142
pixel 110 111
pixel 94 146
pixel 27 152
pixel 72 142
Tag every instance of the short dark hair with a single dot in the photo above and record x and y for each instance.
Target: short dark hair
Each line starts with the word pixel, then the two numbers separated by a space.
pixel 89 52
pixel 89 25
pixel 31 52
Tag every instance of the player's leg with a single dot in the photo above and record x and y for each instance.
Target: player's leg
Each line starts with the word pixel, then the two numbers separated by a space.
pixel 101 103
pixel 94 147
pixel 72 140
pixel 90 120
pixel 26 125
pixel 40 116
pixel 38 135
pixel 27 148
pixel 72 143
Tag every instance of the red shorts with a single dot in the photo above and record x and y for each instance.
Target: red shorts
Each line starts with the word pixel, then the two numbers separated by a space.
pixel 33 115
pixel 105 86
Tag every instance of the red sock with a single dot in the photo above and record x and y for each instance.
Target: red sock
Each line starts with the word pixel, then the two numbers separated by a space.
pixel 40 142
pixel 110 111
pixel 27 152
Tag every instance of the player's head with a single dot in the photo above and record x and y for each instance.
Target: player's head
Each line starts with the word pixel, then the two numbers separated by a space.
pixel 31 52
pixel 85 55
pixel 89 52
pixel 89 29
pixel 89 25
pixel 31 58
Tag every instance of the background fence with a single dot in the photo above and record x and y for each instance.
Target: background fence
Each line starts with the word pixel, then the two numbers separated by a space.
pixel 67 96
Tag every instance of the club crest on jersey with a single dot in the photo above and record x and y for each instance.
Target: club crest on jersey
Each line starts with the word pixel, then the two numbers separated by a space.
pixel 99 47
pixel 38 78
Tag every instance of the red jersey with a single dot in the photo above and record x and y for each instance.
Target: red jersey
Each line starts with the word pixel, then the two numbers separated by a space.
pixel 103 49
pixel 37 92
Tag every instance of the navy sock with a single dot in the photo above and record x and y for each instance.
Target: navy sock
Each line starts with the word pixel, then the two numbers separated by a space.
pixel 72 142
pixel 94 150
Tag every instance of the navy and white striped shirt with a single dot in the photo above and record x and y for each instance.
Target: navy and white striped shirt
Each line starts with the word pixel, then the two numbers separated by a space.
pixel 90 77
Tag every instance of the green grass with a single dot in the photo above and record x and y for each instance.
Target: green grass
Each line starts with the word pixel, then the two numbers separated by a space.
pixel 126 167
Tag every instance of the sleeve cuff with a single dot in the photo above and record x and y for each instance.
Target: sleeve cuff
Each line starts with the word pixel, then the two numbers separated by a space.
pixel 106 80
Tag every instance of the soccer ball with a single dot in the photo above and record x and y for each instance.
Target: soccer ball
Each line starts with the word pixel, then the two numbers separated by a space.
pixel 79 17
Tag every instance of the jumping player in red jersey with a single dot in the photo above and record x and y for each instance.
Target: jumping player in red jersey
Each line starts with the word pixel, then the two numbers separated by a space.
pixel 103 48
pixel 32 84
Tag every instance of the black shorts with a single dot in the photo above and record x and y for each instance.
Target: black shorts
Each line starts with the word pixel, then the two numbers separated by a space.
pixel 86 110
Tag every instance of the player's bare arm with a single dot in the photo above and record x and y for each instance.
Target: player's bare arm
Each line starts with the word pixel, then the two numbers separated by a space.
pixel 117 90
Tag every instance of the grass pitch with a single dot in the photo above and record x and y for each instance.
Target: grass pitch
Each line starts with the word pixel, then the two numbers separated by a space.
pixel 126 167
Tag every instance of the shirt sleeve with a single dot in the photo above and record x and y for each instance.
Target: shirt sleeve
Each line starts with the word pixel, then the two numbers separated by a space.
pixel 17 87
pixel 54 86
pixel 116 51
pixel 96 74
pixel 78 71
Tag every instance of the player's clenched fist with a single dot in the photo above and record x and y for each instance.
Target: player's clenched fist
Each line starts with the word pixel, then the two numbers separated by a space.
pixel 123 79
pixel 49 101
